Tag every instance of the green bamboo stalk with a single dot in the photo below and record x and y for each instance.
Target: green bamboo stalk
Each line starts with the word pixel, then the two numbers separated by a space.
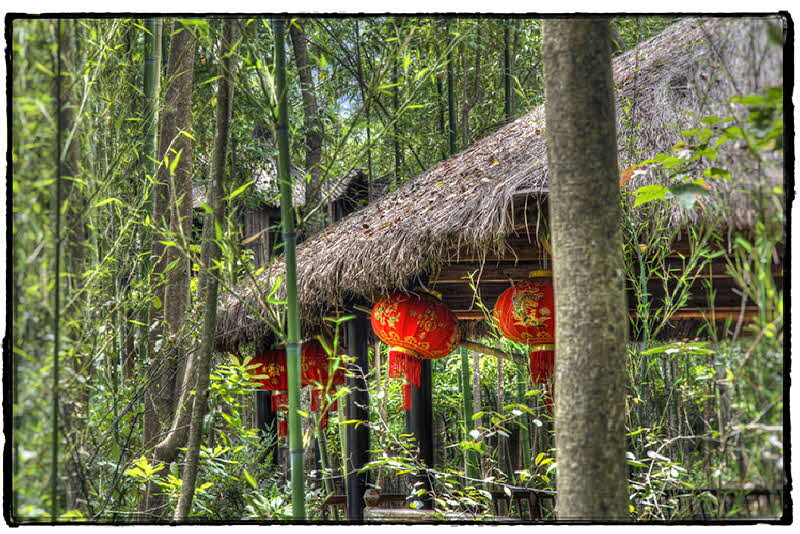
pixel 57 266
pixel 289 244
pixel 524 433
pixel 470 456
pixel 152 88
pixel 396 107
pixel 451 101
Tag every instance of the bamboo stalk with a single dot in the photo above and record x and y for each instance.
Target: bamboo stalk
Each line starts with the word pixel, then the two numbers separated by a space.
pixel 289 243
pixel 57 286
pixel 470 456
pixel 152 87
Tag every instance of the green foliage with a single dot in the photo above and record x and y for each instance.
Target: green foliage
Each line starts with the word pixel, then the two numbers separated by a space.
pixel 689 164
pixel 727 392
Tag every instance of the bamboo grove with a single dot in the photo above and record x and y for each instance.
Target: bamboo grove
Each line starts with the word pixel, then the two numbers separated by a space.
pixel 136 147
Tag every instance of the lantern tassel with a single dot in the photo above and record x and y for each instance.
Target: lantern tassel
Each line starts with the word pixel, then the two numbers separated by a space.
pixel 279 401
pixel 315 400
pixel 403 364
pixel 407 402
pixel 541 365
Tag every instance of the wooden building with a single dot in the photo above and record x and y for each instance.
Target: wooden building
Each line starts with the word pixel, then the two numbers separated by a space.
pixel 479 218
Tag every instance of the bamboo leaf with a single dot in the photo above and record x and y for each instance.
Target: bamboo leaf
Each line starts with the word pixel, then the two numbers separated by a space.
pixel 240 190
pixel 107 201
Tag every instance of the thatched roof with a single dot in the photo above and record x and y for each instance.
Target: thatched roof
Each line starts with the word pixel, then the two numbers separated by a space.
pixel 694 66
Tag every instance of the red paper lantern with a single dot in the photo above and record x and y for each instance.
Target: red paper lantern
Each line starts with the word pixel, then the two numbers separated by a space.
pixel 316 366
pixel 525 313
pixel 314 371
pixel 280 401
pixel 273 366
pixel 316 406
pixel 415 327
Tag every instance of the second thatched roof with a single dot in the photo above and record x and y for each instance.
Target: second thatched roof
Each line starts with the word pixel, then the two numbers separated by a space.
pixel 690 70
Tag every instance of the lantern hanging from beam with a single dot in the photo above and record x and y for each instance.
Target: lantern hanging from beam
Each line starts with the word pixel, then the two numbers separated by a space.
pixel 317 406
pixel 316 367
pixel 415 327
pixel 525 313
pixel 280 403
pixel 316 372
pixel 272 370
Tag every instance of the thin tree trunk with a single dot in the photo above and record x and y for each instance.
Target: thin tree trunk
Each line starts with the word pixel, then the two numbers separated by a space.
pixel 451 99
pixel 396 128
pixel 476 402
pixel 470 456
pixel 507 69
pixel 60 171
pixel 203 361
pixel 591 339
pixel 315 222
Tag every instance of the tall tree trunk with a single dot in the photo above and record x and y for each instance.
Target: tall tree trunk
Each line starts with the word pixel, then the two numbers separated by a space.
pixel 507 69
pixel 172 187
pixel 60 172
pixel 212 253
pixel 470 97
pixel 315 221
pixel 451 98
pixel 396 128
pixel 367 111
pixel 289 243
pixel 75 402
pixel 591 340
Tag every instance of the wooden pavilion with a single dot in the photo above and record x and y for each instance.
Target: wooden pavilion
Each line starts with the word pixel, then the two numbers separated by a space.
pixel 479 218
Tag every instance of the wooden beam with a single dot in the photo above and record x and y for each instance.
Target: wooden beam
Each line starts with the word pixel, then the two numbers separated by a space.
pixel 720 313
pixel 491 351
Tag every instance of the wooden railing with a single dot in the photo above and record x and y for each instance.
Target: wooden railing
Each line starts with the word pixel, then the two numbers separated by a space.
pixel 527 505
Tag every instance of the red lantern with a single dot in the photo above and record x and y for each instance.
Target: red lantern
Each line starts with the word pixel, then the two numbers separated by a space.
pixel 314 371
pixel 525 313
pixel 316 405
pixel 316 366
pixel 280 402
pixel 273 366
pixel 415 327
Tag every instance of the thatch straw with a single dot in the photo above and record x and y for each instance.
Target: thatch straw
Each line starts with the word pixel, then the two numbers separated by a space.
pixel 694 66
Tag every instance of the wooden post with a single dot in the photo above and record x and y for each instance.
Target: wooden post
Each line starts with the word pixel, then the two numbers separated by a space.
pixel 265 419
pixel 357 409
pixel 419 423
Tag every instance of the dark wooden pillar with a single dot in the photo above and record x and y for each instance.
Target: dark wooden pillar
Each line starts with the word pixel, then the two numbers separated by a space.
pixel 265 418
pixel 419 423
pixel 357 409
